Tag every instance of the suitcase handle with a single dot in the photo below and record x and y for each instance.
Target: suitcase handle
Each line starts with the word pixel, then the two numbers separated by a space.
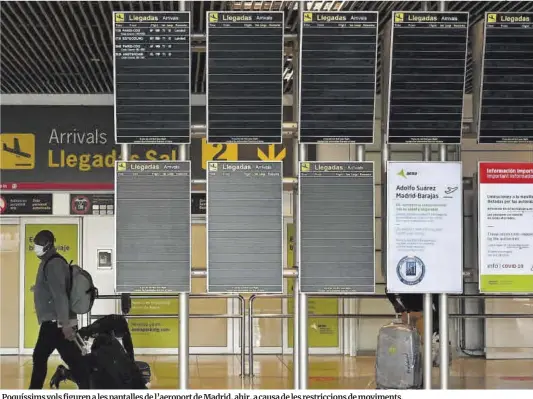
pixel 80 343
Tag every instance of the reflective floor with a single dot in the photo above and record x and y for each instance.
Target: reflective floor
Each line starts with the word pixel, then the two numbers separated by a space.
pixel 274 372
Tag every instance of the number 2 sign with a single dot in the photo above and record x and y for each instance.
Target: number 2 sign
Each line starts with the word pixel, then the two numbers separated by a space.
pixel 218 152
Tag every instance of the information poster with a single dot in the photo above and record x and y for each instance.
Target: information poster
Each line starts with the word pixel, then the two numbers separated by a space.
pixel 424 227
pixel 321 333
pixel 505 227
pixel 67 245
pixel 154 332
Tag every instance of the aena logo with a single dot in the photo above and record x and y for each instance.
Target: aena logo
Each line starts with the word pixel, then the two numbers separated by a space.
pixel 404 174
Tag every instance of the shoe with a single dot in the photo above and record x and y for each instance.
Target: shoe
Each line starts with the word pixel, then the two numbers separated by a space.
pixel 59 376
pixel 435 350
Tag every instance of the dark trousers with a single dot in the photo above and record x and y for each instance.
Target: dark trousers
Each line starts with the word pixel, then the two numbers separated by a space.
pixel 50 338
pixel 415 303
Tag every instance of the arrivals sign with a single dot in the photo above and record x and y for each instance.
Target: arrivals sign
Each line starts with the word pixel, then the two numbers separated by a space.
pixel 424 227
pixel 48 148
pixel 505 227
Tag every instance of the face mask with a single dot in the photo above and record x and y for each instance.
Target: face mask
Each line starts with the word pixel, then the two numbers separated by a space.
pixel 39 250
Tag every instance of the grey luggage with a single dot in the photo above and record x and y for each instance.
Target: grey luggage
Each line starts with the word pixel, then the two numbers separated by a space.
pixel 399 357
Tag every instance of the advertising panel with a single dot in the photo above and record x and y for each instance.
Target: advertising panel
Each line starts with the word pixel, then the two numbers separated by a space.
pixel 26 204
pixel 505 227
pixel 321 332
pixel 154 332
pixel 424 227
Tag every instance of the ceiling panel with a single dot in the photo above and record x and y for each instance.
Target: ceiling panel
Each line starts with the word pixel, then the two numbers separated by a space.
pixel 52 47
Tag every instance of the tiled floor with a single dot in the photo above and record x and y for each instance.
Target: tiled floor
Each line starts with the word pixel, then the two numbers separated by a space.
pixel 274 372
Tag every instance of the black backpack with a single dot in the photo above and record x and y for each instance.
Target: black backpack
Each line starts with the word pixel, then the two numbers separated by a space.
pixel 111 367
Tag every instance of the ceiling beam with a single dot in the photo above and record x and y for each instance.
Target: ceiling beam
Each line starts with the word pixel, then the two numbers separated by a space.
pixel 197 100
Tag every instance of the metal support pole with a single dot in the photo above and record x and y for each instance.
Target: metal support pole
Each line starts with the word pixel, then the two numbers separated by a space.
pixel 443 152
pixel 426 154
pixel 183 296
pixel 295 203
pixel 296 333
pixel 184 311
pixel 184 341
pixel 428 332
pixel 428 298
pixel 242 304
pixel 124 152
pixel 443 312
pixel 385 156
pixel 251 335
pixel 428 307
pixel 444 341
pixel 360 152
pixel 353 324
pixel 443 299
pixel 303 350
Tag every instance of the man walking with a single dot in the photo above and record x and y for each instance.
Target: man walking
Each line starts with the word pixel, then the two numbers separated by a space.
pixel 58 324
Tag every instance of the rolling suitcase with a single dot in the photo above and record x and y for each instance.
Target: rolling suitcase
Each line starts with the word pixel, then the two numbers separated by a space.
pixel 399 357
pixel 110 365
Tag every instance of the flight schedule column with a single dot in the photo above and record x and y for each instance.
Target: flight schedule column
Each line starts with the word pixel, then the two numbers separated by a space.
pixel 151 55
pixel 337 248
pixel 153 226
pixel 427 77
pixel 338 77
pixel 245 227
pixel 506 111
pixel 245 77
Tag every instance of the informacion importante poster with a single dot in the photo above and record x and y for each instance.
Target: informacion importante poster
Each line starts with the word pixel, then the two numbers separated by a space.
pixel 505 227
pixel 424 227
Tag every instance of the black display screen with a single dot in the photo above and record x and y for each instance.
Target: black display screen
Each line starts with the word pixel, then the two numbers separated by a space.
pixel 506 114
pixel 338 77
pixel 427 77
pixel 245 77
pixel 151 56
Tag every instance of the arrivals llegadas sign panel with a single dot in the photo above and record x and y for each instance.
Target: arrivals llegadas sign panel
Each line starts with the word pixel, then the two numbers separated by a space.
pixel 72 148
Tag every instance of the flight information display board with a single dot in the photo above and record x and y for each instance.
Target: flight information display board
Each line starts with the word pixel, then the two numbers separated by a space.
pixel 336 229
pixel 153 226
pixel 427 77
pixel 152 57
pixel 506 114
pixel 338 77
pixel 245 227
pixel 245 60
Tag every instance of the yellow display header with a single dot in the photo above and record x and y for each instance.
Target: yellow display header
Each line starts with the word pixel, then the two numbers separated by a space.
pixel 430 17
pixel 508 18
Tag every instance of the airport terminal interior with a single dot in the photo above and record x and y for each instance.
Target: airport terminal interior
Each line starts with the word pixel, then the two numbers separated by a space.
pixel 331 152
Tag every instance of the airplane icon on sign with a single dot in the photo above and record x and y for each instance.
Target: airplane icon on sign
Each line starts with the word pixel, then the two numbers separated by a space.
pixel 16 149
